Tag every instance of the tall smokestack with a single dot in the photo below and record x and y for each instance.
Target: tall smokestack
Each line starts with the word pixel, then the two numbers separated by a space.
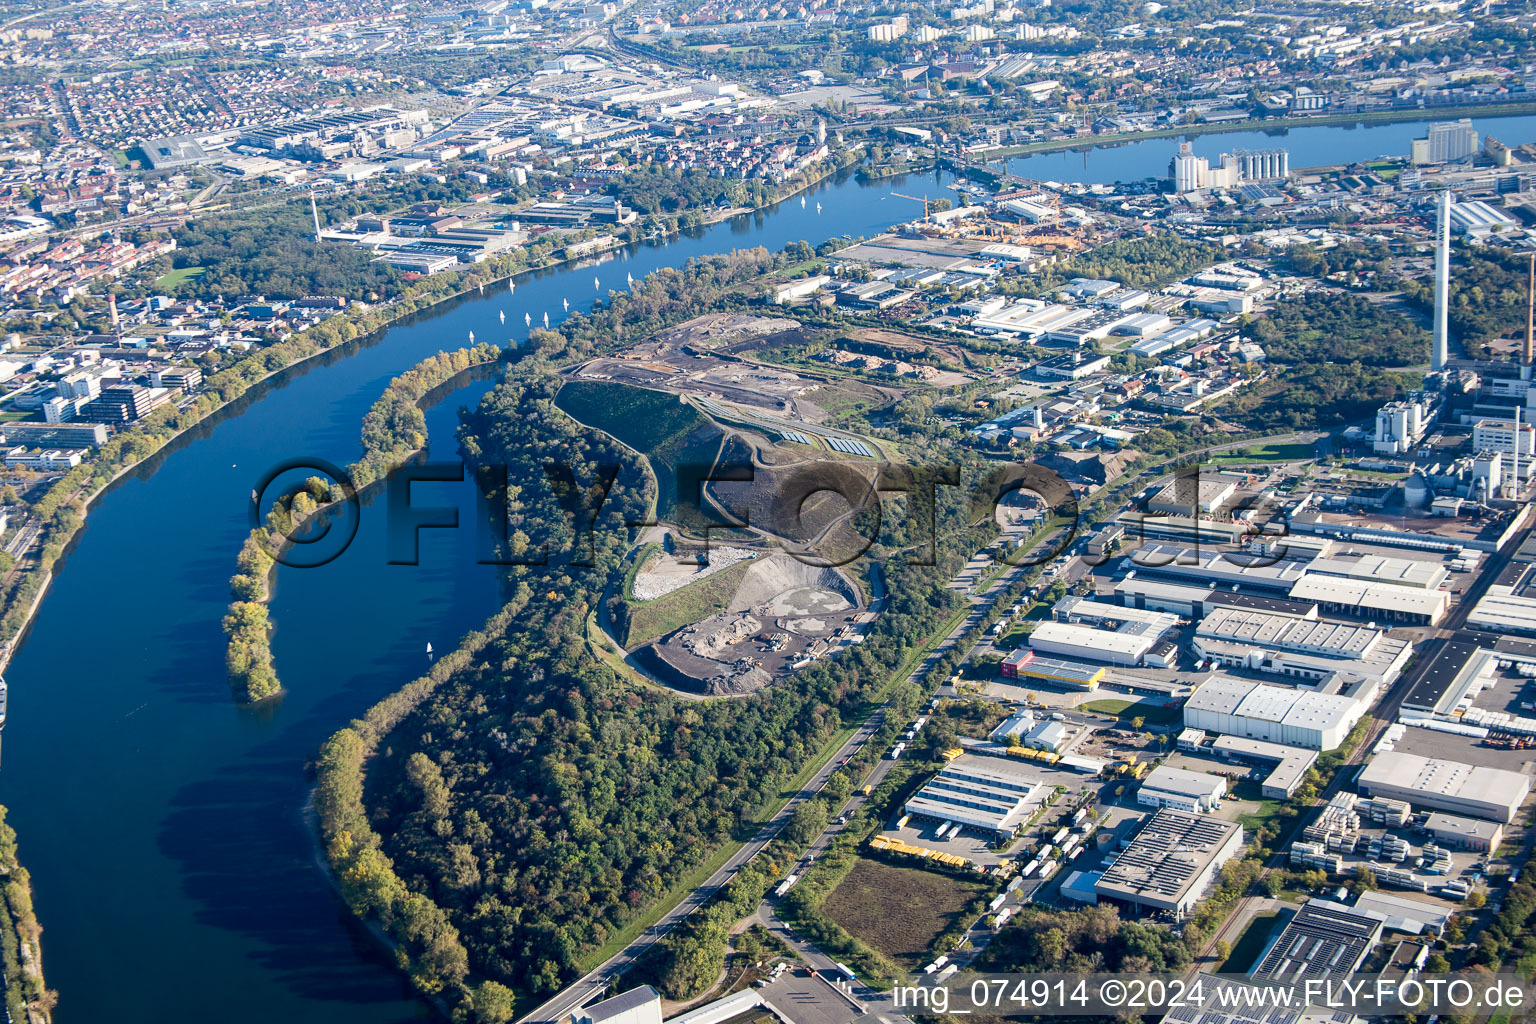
pixel 1442 285
pixel 1515 484
pixel 1530 321
pixel 315 212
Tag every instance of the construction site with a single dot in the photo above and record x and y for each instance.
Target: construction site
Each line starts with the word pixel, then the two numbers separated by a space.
pixel 780 616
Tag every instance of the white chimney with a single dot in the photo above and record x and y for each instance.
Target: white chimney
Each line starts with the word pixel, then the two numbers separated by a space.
pixel 1442 285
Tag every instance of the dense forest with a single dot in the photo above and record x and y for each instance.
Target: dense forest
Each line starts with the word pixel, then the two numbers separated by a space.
pixel 1337 327
pixel 1151 261
pixel 529 801
pixel 540 799
pixel 1317 396
pixel 1488 297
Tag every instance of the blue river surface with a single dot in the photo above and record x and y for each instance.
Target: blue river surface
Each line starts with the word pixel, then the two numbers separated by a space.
pixel 163 826
pixel 1309 146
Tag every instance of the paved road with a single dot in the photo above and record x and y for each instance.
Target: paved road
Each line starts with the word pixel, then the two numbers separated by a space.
pixel 595 984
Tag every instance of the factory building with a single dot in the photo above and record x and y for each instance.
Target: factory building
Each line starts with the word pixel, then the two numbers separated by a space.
pixel 1181 790
pixel 1460 833
pixel 1375 601
pixel 1502 610
pixel 1086 643
pixel 1024 664
pixel 1253 710
pixel 1289 764
pixel 1189 565
pixel 1333 655
pixel 1453 787
pixel 986 794
pixel 1170 863
pixel 637 1006
pixel 1190 602
pixel 1323 940
pixel 1401 572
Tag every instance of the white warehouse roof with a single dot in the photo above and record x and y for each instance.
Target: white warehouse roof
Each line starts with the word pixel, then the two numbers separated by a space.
pixel 1089 639
pixel 1491 793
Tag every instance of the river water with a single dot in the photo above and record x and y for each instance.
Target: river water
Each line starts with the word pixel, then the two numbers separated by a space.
pixel 162 824
pixel 1317 146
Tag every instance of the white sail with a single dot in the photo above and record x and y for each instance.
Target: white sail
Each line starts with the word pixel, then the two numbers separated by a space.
pixel 471 337
pixel 597 285
pixel 567 304
pixel 818 207
pixel 546 320
pixel 528 319
pixel 482 288
pixel 802 202
pixel 503 315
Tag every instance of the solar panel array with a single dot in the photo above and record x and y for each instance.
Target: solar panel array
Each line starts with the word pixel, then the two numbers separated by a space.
pixel 842 444
pixel 1321 940
pixel 795 436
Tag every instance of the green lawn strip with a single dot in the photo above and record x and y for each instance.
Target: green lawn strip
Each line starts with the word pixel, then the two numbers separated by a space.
pixel 181 275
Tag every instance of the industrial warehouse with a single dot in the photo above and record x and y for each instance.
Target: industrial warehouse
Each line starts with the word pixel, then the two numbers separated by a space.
pixel 1255 710
pixel 1170 863
pixel 984 794
pixel 1464 789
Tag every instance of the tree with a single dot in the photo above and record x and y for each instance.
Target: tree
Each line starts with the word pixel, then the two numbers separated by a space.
pixel 1138 722
pixel 493 1003
pixel 1223 950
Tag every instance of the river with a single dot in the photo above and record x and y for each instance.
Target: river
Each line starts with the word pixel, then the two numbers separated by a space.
pixel 1309 146
pixel 162 824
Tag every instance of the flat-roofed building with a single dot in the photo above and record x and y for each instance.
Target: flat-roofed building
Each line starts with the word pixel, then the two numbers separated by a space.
pixel 1089 644
pixel 986 794
pixel 1460 833
pixel 1026 664
pixel 1402 572
pixel 1192 495
pixel 1189 565
pixel 1289 763
pixel 1376 601
pixel 1433 783
pixel 1301 647
pixel 1302 718
pixel 1181 790
pixel 1501 610
pixel 640 1005
pixel 1170 863
pixel 1323 940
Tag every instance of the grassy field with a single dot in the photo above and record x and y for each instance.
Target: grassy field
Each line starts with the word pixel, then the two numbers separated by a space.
pixel 179 276
pixel 1247 949
pixel 709 596
pixel 1267 453
pixel 667 431
pixel 898 911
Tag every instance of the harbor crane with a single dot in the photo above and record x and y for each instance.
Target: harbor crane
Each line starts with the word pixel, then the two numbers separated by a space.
pixel 925 201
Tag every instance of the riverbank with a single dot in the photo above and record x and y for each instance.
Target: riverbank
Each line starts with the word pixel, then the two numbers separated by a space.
pixel 364 329
pixel 27 997
pixel 393 432
pixel 1257 124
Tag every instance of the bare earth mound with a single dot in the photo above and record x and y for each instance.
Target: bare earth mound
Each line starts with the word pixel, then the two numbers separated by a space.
pixel 782 613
